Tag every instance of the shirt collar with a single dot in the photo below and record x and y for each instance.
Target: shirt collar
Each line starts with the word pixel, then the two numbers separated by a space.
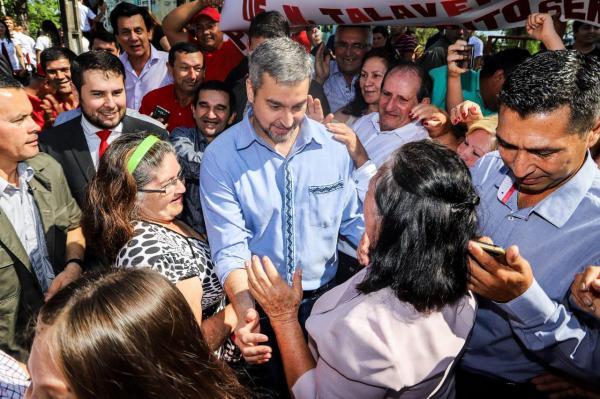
pixel 559 206
pixel 90 129
pixel 334 70
pixel 247 135
pixel 154 57
pixel 25 173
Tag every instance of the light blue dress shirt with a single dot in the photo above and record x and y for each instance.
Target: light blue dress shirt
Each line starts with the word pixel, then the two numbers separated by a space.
pixel 292 208
pixel 559 236
pixel 337 90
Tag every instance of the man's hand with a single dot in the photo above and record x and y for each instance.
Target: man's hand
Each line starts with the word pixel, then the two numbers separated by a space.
pixel 541 27
pixel 248 338
pixel 71 273
pixel 279 301
pixel 465 112
pixel 322 59
pixel 498 281
pixel 454 55
pixel 434 119
pixel 585 290
pixel 314 110
pixel 345 135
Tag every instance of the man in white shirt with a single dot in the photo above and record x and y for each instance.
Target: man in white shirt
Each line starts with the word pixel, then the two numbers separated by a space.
pixel 145 66
pixel 79 143
pixel 86 15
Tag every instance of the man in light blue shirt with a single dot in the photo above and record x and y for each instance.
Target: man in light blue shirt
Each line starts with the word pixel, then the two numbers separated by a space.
pixel 540 199
pixel 277 184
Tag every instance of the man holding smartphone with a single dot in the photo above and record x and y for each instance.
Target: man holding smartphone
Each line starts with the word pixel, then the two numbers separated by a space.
pixel 540 199
pixel 172 104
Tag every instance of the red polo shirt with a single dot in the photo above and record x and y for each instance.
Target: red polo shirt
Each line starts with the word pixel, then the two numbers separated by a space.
pixel 165 97
pixel 220 62
pixel 38 113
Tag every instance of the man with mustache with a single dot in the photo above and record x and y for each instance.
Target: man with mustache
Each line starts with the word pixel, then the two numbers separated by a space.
pixel 221 55
pixel 213 111
pixel 145 66
pixel 187 67
pixel 277 184
pixel 79 143
pixel 339 77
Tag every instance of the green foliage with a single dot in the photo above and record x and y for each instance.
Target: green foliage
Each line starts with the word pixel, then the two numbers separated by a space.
pixel 422 34
pixel 40 10
pixel 31 13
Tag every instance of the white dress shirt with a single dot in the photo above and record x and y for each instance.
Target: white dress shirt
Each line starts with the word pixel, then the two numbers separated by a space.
pixel 92 139
pixel 154 75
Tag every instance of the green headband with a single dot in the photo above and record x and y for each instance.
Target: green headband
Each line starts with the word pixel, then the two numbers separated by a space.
pixel 140 151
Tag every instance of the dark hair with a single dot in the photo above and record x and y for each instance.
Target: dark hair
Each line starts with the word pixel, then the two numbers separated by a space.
pixel 95 61
pixel 110 203
pixel 383 30
pixel 553 79
pixel 426 83
pixel 131 334
pixel 6 31
pixel 8 82
pixel 358 106
pixel 182 47
pixel 51 30
pixel 56 53
pixel 426 203
pixel 216 85
pixel 125 9
pixel 103 35
pixel 269 24
pixel 506 60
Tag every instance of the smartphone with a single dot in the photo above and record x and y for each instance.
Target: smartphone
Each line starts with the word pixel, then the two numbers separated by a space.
pixel 468 62
pixel 493 250
pixel 161 114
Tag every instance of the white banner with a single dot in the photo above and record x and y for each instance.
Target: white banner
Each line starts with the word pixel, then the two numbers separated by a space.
pixel 470 14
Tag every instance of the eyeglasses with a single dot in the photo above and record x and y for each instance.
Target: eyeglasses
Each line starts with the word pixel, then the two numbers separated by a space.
pixel 352 46
pixel 168 188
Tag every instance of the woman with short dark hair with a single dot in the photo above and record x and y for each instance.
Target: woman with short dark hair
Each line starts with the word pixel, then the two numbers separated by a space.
pixel 125 334
pixel 397 326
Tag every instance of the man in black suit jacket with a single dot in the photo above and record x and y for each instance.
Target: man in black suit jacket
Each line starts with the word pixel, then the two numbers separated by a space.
pixel 78 144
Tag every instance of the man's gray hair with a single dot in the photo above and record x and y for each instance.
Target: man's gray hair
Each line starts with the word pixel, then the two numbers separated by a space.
pixel 283 59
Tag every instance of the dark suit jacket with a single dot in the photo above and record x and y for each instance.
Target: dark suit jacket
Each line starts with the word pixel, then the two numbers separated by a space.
pixel 66 143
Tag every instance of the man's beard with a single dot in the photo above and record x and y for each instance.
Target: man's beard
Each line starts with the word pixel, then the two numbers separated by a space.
pixel 277 138
pixel 101 124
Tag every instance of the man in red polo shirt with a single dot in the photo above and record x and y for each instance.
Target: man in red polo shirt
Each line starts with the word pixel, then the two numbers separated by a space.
pixel 187 68
pixel 221 55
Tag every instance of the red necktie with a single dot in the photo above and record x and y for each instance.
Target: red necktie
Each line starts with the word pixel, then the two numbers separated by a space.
pixel 103 134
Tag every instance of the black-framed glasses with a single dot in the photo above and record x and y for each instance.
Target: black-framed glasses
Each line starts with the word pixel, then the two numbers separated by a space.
pixel 168 188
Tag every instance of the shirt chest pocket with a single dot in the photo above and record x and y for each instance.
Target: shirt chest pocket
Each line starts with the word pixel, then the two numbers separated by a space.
pixel 325 202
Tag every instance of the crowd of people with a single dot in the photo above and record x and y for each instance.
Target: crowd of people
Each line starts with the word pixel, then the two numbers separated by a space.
pixel 352 216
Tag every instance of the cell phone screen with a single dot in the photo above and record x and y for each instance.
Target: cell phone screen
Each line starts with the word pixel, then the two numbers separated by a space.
pixel 161 114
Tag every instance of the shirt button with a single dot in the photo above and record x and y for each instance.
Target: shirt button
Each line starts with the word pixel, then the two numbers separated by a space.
pixel 510 218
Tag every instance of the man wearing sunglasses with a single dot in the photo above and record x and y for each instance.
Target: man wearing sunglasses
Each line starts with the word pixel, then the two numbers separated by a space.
pixel 339 76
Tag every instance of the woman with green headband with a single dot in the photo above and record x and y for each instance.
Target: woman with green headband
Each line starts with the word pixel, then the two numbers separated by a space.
pixel 130 221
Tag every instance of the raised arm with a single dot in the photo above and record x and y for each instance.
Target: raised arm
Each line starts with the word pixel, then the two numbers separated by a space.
pixel 174 23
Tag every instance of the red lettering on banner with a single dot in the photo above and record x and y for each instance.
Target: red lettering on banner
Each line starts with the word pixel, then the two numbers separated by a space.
pixel 294 15
pixel 251 8
pixel 489 20
pixel 571 6
pixel 455 7
pixel 517 11
pixel 547 6
pixel 428 11
pixel 356 16
pixel 371 12
pixel 594 12
pixel 236 36
pixel 334 13
pixel 401 12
